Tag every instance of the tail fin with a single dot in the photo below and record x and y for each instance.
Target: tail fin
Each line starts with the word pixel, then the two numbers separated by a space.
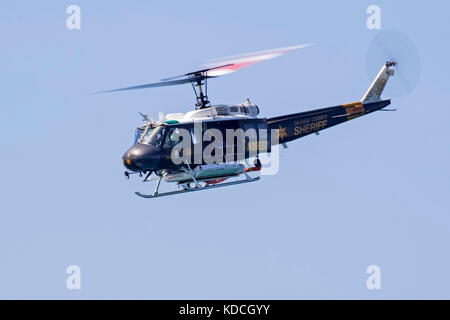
pixel 373 94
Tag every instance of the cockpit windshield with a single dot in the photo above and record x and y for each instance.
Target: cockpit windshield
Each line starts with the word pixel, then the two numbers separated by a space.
pixel 152 136
pixel 137 134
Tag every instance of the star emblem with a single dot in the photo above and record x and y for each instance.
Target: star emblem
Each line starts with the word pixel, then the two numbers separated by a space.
pixel 282 132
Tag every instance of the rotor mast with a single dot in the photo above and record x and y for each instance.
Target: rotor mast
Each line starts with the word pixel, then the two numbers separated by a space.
pixel 199 80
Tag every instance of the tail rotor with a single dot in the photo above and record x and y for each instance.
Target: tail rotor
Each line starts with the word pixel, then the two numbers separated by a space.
pixel 394 46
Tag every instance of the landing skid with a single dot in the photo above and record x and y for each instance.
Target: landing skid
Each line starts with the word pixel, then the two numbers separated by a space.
pixel 198 188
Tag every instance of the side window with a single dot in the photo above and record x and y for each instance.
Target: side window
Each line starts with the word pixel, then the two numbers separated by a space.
pixel 137 135
pixel 172 138
pixel 153 136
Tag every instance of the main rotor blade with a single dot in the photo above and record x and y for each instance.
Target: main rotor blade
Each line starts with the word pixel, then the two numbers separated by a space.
pixel 226 65
pixel 218 67
pixel 156 84
pixel 197 72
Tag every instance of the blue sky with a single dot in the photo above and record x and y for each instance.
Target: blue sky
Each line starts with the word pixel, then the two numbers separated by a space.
pixel 371 191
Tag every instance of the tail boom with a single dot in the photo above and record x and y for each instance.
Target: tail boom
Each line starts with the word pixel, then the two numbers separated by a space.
pixel 298 125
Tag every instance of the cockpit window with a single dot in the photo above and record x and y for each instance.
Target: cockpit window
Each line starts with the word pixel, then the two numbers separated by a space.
pixel 137 135
pixel 153 136
pixel 172 137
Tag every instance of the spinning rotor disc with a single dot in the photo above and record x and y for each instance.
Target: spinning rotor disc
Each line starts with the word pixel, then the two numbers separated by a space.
pixel 394 46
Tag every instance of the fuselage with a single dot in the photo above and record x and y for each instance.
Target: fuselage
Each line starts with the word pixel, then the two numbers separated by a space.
pixel 210 131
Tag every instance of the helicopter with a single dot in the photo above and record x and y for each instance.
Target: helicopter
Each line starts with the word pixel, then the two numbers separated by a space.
pixel 188 149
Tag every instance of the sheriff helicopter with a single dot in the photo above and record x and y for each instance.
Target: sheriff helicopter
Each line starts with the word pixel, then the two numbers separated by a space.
pixel 156 145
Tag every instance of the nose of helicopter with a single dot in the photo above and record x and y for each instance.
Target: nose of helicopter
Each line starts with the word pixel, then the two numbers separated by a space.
pixel 141 157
